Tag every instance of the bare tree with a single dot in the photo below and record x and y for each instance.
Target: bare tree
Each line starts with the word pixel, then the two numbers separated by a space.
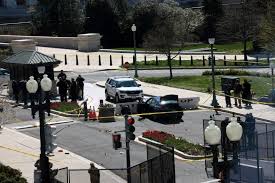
pixel 266 36
pixel 172 25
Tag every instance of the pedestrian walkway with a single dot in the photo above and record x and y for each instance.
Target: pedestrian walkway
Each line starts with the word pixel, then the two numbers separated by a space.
pixel 112 59
pixel 21 151
pixel 259 111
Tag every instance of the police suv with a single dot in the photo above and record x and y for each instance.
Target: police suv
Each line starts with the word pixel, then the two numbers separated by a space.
pixel 123 88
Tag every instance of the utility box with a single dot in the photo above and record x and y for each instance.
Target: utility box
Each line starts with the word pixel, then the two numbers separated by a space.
pixel 228 82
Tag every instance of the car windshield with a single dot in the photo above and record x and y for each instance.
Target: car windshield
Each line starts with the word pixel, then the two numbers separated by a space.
pixel 127 84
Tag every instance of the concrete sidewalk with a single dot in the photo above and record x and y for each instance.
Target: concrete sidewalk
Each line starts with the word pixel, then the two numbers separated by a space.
pixel 260 111
pixel 83 66
pixel 21 151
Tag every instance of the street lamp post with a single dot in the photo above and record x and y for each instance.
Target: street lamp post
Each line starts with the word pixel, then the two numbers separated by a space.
pixel 32 87
pixel 272 65
pixel 134 29
pixel 214 103
pixel 213 134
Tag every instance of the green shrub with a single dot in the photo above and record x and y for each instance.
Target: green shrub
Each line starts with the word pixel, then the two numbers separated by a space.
pixel 10 175
pixel 185 146
pixel 232 72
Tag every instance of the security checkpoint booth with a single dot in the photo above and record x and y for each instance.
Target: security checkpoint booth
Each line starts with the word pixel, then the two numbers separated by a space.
pixel 24 64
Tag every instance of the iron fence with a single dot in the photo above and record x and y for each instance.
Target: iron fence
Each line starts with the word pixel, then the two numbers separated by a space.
pixel 159 168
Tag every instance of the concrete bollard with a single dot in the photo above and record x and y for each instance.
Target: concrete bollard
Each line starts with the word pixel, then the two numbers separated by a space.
pixel 88 60
pixel 145 62
pixel 76 59
pixel 66 59
pixel 99 60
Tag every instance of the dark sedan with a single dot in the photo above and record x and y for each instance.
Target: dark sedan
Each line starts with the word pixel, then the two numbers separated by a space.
pixel 159 105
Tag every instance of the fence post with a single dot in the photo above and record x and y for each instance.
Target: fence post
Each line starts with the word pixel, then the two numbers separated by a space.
pixel 157 61
pixel 203 60
pixel 224 60
pixel 180 60
pixel 88 60
pixel 122 60
pixel 235 58
pixel 191 60
pixel 145 62
pixel 214 60
pixel 76 59
pixel 257 60
pixel 99 60
pixel 111 62
pixel 66 59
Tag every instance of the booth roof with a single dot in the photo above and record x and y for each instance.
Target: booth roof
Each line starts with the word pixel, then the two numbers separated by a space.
pixel 30 58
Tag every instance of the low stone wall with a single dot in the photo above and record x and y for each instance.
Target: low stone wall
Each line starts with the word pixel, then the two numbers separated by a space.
pixel 85 42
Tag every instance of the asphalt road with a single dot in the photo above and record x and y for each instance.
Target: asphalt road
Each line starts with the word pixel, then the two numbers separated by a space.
pixel 93 141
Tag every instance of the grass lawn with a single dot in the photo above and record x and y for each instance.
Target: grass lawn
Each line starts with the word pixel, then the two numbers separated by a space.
pixel 187 63
pixel 233 48
pixel 260 85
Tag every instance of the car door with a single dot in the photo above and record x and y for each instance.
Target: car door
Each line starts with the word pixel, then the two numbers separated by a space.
pixel 113 88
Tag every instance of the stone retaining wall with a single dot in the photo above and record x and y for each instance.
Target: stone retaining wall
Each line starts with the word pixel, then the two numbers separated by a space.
pixel 84 42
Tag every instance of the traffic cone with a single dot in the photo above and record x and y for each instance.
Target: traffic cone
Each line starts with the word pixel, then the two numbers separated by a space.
pixel 92 114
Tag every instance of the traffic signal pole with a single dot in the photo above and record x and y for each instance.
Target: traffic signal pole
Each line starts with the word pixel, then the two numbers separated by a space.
pixel 128 161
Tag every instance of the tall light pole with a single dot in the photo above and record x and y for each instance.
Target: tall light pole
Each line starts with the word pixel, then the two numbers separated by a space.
pixel 134 29
pixel 214 103
pixel 272 65
pixel 244 30
pixel 32 87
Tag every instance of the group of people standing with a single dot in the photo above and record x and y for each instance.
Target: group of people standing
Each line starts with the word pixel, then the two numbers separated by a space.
pixel 242 93
pixel 74 88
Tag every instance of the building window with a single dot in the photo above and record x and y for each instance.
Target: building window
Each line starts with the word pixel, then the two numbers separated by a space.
pixel 20 2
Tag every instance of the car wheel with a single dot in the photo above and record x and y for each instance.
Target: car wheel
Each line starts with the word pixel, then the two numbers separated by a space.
pixel 117 99
pixel 107 97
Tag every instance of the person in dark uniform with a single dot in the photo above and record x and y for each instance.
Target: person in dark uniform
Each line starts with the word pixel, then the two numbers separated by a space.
pixel 62 75
pixel 227 94
pixel 62 89
pixel 237 94
pixel 73 90
pixel 15 90
pixel 247 93
pixel 80 86
pixel 24 91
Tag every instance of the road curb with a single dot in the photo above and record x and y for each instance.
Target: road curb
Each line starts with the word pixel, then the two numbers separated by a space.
pixel 177 152
pixel 37 125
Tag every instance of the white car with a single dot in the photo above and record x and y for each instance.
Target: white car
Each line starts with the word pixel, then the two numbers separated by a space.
pixel 123 88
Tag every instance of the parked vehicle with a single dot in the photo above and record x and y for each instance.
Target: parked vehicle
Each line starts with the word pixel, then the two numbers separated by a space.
pixel 123 88
pixel 167 103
